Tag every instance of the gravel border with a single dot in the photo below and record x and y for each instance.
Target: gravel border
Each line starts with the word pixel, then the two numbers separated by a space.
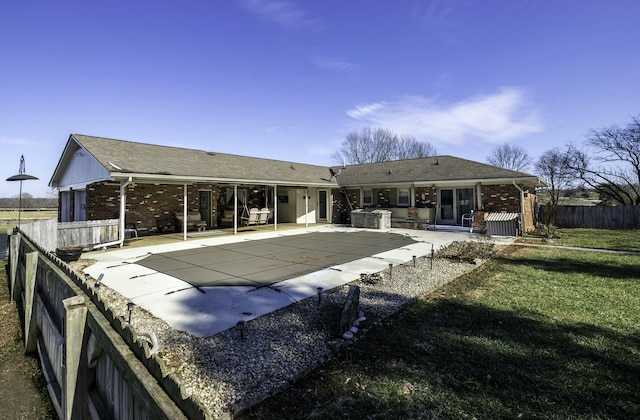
pixel 228 373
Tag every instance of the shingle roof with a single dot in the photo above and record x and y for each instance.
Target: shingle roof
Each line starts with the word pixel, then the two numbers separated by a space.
pixel 168 162
pixel 119 156
pixel 431 169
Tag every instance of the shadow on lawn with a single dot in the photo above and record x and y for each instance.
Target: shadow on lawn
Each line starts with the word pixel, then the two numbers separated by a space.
pixel 450 359
pixel 604 266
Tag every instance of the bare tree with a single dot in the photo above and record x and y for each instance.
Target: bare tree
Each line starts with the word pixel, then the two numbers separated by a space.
pixel 369 145
pixel 610 163
pixel 410 148
pixel 511 157
pixel 553 167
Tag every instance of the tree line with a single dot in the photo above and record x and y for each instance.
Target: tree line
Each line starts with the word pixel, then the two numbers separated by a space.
pixel 28 202
pixel 606 162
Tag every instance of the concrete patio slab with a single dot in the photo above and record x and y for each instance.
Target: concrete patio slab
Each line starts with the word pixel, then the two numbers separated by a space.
pixel 207 285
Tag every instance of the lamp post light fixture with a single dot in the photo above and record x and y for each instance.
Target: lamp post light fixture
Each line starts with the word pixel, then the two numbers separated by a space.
pixel 130 307
pixel 21 177
pixel 240 326
pixel 432 254
pixel 98 281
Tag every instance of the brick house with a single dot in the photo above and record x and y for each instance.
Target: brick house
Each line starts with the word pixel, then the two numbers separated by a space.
pixel 145 186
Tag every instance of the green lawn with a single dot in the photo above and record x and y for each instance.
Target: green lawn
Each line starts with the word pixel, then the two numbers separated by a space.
pixel 533 333
pixel 622 240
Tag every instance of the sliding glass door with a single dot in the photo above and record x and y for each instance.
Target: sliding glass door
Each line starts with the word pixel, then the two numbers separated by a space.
pixel 454 202
pixel 446 215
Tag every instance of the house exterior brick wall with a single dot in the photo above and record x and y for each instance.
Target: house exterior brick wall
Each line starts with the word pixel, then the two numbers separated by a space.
pixel 501 198
pixel 341 212
pixel 506 198
pixel 385 198
pixel 147 204
pixel 426 197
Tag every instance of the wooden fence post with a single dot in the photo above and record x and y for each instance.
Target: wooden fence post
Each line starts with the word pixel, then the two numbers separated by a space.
pixel 14 251
pixel 30 324
pixel 75 392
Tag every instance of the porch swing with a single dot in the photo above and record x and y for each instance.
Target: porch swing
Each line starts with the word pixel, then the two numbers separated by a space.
pixel 254 216
pixel 249 216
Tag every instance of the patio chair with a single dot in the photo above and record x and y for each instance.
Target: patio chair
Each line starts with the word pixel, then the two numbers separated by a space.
pixel 468 218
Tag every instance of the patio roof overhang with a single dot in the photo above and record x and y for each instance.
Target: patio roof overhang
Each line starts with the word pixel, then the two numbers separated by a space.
pixel 531 181
pixel 528 181
pixel 190 180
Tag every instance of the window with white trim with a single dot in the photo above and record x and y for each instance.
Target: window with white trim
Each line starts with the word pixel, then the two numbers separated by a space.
pixel 367 197
pixel 403 197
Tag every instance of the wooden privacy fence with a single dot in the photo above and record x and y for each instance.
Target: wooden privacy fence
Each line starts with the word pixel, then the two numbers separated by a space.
pixel 42 232
pixel 598 217
pixel 50 234
pixel 89 232
pixel 95 365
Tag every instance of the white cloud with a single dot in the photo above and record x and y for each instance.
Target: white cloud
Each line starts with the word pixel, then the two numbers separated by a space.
pixel 284 13
pixel 270 129
pixel 333 64
pixel 440 12
pixel 496 117
pixel 437 12
pixel 363 112
pixel 17 141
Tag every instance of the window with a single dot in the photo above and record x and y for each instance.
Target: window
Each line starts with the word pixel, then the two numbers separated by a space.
pixel 403 197
pixel 367 197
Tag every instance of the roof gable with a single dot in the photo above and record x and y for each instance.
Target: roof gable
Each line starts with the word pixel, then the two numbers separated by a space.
pixel 126 157
pixel 77 168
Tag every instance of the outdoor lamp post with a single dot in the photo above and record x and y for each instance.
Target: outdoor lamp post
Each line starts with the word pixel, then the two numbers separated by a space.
pixel 20 177
pixel 130 307
pixel 240 326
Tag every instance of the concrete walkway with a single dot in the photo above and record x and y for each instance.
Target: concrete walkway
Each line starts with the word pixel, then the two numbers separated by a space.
pixel 207 286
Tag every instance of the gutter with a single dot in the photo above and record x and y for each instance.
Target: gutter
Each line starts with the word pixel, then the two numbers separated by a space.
pixel 180 180
pixel 123 206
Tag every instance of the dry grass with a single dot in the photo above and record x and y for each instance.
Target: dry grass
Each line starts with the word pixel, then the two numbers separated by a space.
pixel 23 391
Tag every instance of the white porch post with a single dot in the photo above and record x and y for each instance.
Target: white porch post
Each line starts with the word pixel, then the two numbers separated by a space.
pixel 235 209
pixel 184 213
pixel 412 199
pixel 478 196
pixel 275 207
pixel 123 207
pixel 306 207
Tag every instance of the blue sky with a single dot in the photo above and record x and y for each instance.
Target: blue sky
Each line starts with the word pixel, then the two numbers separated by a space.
pixel 288 79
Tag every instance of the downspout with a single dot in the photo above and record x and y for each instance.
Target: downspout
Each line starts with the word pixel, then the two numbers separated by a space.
pixel 521 203
pixel 123 206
